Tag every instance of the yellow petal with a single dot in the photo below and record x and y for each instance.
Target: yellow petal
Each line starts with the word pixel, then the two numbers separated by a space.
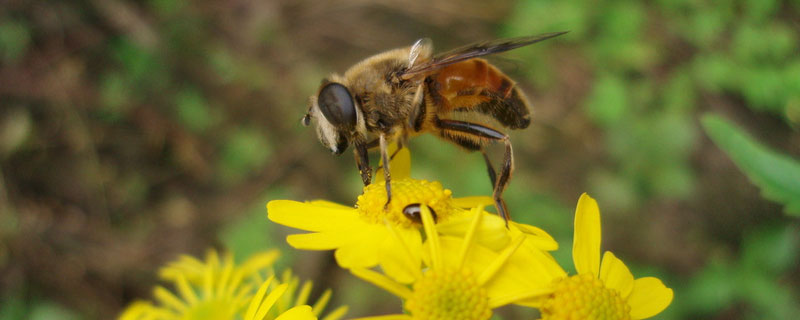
pixel 649 297
pixel 491 233
pixel 472 202
pixel 513 297
pixel 476 259
pixel 402 261
pixel 336 314
pixel 270 300
pixel 257 262
pixel 469 237
pixel 383 282
pixel 167 298
pixel 535 237
pixel 305 291
pixel 387 317
pixel 400 165
pixel 297 313
pixel 365 251
pixel 329 204
pixel 500 261
pixel 256 301
pixel 327 240
pixel 322 302
pixel 615 274
pixel 586 243
pixel 310 217
pixel 508 279
pixel 433 239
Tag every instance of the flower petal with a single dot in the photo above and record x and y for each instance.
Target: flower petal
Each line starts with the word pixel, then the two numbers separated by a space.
pixel 321 240
pixel 507 280
pixel 586 242
pixel 401 261
pixel 476 260
pixel 364 251
pixel 383 282
pixel 297 313
pixel 329 204
pixel 491 232
pixel 472 202
pixel 400 165
pixel 310 217
pixel 615 274
pixel 387 317
pixel 535 237
pixel 336 314
pixel 649 297
pixel 527 270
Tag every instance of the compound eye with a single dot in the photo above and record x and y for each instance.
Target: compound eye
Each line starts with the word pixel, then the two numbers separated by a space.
pixel 414 213
pixel 337 105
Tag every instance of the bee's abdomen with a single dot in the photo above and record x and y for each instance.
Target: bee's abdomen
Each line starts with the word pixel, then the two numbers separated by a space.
pixel 476 87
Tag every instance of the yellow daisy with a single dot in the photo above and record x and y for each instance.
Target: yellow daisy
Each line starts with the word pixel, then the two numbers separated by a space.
pixel 298 295
pixel 369 234
pixel 219 289
pixel 464 280
pixel 602 289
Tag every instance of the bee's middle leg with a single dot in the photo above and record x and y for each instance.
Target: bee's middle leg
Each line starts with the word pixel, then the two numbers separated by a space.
pixel 387 176
pixel 400 145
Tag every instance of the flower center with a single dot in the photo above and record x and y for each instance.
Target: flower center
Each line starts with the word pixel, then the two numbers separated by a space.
pixel 407 195
pixel 584 297
pixel 449 294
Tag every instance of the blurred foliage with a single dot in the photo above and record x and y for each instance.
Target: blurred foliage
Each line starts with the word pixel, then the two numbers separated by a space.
pixel 777 175
pixel 131 132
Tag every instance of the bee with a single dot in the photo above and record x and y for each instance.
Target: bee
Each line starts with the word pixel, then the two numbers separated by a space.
pixel 401 93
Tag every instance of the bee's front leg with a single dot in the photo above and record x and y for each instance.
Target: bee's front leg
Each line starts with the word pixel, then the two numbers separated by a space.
pixel 362 162
pixel 387 176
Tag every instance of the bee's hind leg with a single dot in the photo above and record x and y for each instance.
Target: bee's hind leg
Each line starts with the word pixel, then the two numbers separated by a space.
pixel 489 168
pixel 387 176
pixel 502 180
pixel 470 135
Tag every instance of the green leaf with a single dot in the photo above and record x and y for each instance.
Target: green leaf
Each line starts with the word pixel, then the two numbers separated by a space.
pixel 711 289
pixel 770 250
pixel 776 174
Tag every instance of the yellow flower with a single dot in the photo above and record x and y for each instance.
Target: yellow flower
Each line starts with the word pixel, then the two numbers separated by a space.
pixel 219 289
pixel 369 234
pixel 261 305
pixel 297 295
pixel 464 280
pixel 600 290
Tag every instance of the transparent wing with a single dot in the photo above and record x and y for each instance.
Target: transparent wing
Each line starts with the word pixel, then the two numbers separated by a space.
pixel 422 47
pixel 471 51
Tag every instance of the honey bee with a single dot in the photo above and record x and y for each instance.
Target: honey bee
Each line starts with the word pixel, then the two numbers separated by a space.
pixel 401 93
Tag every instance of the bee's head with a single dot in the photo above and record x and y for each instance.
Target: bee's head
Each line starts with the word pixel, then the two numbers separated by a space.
pixel 335 115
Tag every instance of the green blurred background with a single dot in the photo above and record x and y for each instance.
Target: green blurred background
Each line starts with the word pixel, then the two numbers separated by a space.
pixel 134 131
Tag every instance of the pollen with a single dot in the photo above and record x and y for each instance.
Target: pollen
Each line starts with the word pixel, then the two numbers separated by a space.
pixel 449 294
pixel 584 297
pixel 407 195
